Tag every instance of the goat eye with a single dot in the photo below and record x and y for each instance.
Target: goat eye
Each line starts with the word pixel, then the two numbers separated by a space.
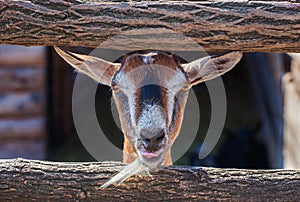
pixel 185 88
pixel 115 88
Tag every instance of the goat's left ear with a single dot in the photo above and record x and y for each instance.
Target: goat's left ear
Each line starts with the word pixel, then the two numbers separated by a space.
pixel 210 67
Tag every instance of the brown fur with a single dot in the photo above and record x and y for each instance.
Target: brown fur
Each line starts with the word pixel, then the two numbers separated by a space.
pixel 135 60
pixel 129 153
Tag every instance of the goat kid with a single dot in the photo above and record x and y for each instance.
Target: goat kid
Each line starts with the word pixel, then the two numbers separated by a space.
pixel 150 89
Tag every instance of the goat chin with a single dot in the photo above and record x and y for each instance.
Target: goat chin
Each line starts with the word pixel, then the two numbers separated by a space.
pixel 136 167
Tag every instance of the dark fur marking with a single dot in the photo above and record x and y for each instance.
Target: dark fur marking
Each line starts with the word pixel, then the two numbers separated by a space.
pixel 151 94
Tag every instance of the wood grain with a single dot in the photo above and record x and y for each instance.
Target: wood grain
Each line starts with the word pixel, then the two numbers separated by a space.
pixel 270 26
pixel 22 180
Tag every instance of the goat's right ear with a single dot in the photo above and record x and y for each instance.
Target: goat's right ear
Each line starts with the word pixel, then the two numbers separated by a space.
pixel 208 68
pixel 100 70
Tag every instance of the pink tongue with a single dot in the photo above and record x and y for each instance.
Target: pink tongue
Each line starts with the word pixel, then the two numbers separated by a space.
pixel 149 154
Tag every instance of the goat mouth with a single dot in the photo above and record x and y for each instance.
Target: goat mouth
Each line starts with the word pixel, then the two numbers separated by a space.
pixel 151 160
pixel 150 154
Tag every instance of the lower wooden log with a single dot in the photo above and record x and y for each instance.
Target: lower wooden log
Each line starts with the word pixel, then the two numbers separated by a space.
pixel 22 179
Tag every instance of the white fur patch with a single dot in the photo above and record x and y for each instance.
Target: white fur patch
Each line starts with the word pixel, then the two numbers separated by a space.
pixel 173 86
pixel 147 58
pixel 136 167
pixel 152 117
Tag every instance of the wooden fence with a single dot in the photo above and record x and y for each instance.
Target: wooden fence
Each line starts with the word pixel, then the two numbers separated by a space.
pixel 40 180
pixel 272 26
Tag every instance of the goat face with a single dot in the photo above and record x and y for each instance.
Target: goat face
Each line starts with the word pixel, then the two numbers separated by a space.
pixel 150 90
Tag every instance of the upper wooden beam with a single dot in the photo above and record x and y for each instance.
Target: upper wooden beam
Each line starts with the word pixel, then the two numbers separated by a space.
pixel 271 26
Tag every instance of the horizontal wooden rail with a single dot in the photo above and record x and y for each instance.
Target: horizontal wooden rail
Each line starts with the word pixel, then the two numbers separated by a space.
pixel 22 179
pixel 21 105
pixel 271 26
pixel 26 128
pixel 21 79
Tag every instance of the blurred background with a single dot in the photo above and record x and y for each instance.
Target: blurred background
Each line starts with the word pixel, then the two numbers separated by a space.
pixel 262 128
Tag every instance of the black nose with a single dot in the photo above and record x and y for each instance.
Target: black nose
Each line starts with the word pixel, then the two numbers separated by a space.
pixel 152 139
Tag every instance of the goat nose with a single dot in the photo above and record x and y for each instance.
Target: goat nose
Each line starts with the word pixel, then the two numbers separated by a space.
pixel 152 137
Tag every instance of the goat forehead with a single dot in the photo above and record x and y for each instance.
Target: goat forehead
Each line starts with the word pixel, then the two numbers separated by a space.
pixel 151 68
pixel 159 58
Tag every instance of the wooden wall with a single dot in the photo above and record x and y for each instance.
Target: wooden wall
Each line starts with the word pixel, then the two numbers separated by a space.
pixel 22 102
pixel 291 85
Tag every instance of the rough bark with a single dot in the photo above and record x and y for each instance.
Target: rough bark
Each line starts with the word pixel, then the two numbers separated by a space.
pixel 22 180
pixel 215 25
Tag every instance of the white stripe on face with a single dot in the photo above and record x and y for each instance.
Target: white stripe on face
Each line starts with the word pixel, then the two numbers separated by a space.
pixel 151 117
pixel 174 85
